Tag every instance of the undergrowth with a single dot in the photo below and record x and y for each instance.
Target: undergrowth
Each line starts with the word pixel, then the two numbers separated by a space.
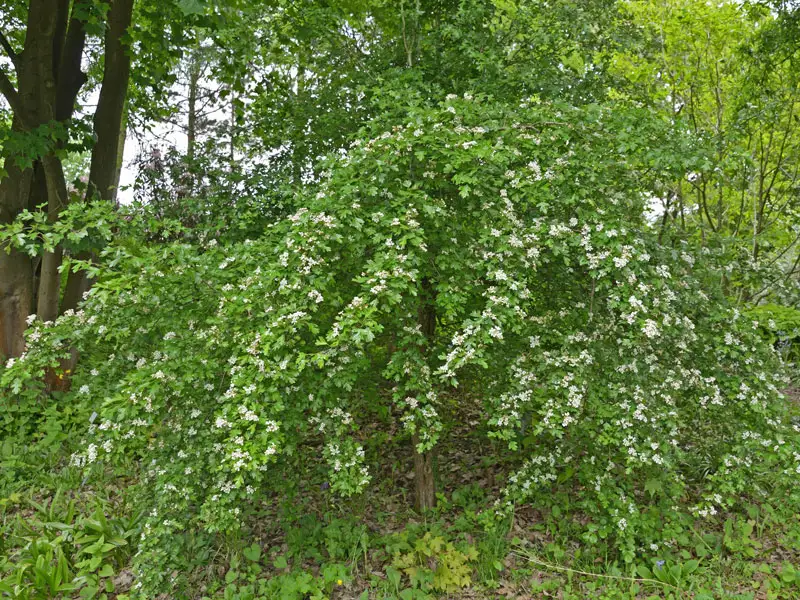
pixel 66 534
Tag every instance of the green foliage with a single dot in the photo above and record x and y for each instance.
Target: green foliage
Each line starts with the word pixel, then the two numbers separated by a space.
pixel 780 325
pixel 432 563
pixel 265 322
pixel 222 366
pixel 60 552
pixel 738 538
pixel 674 575
pixel 712 67
pixel 41 571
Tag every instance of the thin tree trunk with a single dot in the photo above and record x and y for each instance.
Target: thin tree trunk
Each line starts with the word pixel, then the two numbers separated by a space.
pixel 194 69
pixel 78 284
pixel 49 286
pixel 424 483
pixel 49 291
pixel 191 125
pixel 232 157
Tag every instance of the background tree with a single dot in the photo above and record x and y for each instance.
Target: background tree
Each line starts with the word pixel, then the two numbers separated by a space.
pixel 49 77
pixel 42 82
pixel 712 68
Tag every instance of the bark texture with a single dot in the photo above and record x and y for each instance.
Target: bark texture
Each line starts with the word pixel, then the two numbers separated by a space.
pixel 424 484
pixel 16 268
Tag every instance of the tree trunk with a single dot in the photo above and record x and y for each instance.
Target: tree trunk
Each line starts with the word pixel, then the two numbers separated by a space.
pixel 109 129
pixel 16 269
pixel 33 104
pixel 68 44
pixel 49 286
pixel 77 285
pixel 425 486
pixel 108 117
pixel 49 77
pixel 194 86
pixel 50 277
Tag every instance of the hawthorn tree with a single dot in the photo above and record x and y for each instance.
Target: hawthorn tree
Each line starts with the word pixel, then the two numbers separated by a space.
pixel 473 241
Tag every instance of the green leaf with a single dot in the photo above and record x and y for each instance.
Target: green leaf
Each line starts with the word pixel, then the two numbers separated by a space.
pixel 654 486
pixel 106 571
pixel 191 7
pixel 253 552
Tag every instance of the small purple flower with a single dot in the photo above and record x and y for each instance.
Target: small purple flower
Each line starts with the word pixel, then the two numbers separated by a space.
pixel 324 486
pixel 659 563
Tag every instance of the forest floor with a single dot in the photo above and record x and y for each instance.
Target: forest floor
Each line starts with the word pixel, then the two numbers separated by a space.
pixel 309 544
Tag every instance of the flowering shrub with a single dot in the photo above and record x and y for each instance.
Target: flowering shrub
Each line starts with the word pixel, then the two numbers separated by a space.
pixel 500 245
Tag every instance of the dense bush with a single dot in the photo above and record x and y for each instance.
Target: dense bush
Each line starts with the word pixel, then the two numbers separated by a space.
pixel 473 242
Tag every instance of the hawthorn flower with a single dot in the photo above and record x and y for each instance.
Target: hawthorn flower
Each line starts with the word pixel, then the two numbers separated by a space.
pixel 650 329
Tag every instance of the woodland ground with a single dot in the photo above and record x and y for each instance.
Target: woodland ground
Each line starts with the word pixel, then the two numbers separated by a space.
pixel 308 544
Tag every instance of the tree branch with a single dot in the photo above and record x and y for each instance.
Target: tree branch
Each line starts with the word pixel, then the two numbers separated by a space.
pixel 69 76
pixel 9 50
pixel 10 93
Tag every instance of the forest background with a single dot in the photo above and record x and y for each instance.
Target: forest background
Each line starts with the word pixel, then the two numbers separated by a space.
pixel 399 299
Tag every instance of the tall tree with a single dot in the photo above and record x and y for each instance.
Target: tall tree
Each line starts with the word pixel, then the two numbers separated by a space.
pixel 42 93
